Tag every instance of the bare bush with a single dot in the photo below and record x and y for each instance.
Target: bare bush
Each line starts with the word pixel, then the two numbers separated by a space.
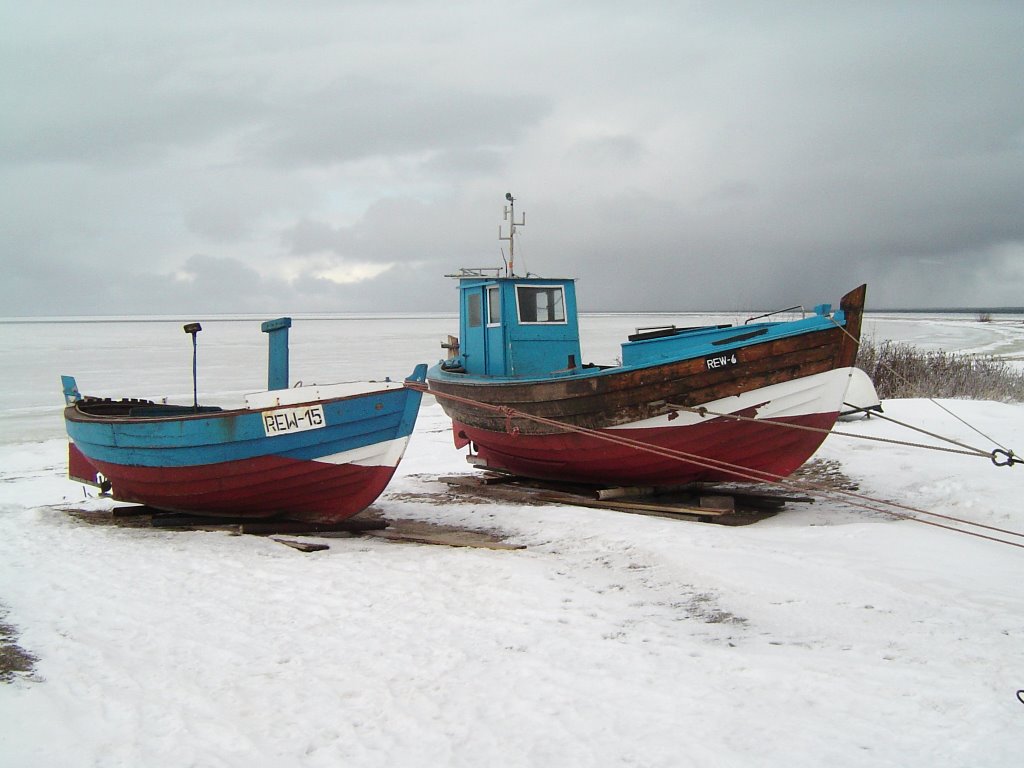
pixel 902 370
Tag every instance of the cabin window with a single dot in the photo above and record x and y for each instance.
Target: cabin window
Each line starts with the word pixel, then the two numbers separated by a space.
pixel 473 306
pixel 493 305
pixel 541 304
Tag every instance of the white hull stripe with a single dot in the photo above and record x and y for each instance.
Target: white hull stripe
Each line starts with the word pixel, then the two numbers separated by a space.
pixel 819 393
pixel 316 393
pixel 386 454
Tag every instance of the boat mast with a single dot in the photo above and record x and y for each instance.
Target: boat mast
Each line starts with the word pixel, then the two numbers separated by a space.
pixel 510 217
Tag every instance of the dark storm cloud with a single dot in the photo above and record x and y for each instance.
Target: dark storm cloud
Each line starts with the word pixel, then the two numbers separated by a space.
pixel 341 156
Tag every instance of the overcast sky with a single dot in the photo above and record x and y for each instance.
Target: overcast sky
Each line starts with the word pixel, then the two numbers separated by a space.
pixel 307 156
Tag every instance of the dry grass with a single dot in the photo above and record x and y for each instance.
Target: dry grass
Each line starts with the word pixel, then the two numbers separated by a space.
pixel 902 370
pixel 15 661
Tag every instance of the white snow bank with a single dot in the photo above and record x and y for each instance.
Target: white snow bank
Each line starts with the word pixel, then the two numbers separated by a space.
pixel 821 636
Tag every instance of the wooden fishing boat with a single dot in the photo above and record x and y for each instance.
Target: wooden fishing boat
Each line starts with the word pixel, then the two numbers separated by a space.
pixel 310 453
pixel 718 403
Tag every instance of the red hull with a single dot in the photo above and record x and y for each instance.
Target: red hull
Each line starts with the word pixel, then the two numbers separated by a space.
pixel 761 446
pixel 312 491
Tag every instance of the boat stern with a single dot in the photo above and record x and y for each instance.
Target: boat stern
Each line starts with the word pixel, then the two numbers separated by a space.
pixel 81 470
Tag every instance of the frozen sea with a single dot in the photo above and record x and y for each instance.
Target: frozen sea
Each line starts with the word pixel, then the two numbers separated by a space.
pixel 823 635
pixel 152 357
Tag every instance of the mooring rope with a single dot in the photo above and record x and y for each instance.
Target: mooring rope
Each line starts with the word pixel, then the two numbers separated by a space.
pixel 1010 457
pixel 967 450
pixel 755 475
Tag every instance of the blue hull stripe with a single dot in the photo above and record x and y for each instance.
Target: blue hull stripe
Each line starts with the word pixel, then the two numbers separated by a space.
pixel 224 436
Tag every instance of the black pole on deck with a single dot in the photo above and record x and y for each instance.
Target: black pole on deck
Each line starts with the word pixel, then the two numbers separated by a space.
pixel 193 329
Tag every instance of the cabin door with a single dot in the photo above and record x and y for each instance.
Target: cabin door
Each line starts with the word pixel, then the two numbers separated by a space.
pixel 495 332
pixel 474 345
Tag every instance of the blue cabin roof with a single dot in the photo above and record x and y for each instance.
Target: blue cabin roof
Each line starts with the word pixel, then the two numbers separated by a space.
pixel 517 327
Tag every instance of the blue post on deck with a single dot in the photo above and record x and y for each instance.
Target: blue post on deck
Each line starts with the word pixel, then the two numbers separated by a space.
pixel 277 361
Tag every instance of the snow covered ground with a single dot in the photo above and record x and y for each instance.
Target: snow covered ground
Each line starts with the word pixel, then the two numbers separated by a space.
pixel 824 635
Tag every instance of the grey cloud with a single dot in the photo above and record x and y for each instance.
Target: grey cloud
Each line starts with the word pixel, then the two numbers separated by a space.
pixel 82 103
pixel 670 155
pixel 608 149
pixel 355 118
pixel 467 162
pixel 397 229
pixel 307 236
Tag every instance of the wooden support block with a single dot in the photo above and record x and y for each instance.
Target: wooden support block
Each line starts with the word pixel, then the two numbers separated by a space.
pixel 617 493
pixel 354 525
pixel 757 501
pixel 690 501
pixel 492 478
pixel 132 511
pixel 477 480
pixel 666 509
pixel 302 546
pixel 446 539
pixel 170 520
pixel 265 527
pixel 717 502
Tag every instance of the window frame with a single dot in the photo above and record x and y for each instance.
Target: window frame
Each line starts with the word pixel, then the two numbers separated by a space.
pixel 474 310
pixel 552 287
pixel 493 300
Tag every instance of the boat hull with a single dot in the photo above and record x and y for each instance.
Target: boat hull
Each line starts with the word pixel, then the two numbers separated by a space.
pixel 320 460
pixel 768 441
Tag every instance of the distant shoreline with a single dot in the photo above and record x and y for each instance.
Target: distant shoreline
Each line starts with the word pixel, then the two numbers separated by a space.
pixel 247 316
pixel 954 311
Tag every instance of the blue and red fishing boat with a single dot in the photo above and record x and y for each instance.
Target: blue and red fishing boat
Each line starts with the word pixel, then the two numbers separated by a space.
pixel 712 403
pixel 319 453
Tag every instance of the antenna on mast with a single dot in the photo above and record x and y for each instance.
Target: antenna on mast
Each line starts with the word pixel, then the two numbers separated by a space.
pixel 510 217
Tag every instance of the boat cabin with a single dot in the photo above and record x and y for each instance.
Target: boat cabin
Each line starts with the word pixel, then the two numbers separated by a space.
pixel 526 328
pixel 513 327
pixel 516 327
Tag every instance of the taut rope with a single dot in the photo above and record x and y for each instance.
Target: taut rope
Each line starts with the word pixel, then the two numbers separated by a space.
pixel 755 475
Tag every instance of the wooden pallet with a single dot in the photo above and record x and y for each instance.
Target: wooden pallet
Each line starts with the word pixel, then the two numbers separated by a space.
pixel 368 523
pixel 707 503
